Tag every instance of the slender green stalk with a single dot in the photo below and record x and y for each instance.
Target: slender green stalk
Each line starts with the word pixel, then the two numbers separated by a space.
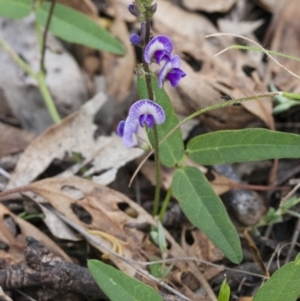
pixel 17 59
pixel 290 95
pixel 165 204
pixel 155 134
pixel 41 79
pixel 242 47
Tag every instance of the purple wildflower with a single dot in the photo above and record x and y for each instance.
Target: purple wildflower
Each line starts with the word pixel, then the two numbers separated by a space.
pixel 158 49
pixel 171 72
pixel 142 112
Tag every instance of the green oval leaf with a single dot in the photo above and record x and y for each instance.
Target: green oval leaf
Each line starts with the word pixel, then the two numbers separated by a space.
pixel 171 150
pixel 75 27
pixel 206 211
pixel 283 285
pixel 119 286
pixel 15 9
pixel 243 146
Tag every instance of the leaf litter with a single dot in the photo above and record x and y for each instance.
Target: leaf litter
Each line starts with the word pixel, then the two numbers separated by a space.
pixel 89 203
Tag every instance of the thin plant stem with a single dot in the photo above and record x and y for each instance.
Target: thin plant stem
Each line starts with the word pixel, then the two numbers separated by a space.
pixel 41 79
pixel 17 59
pixel 155 133
pixel 44 40
pixel 165 204
pixel 243 47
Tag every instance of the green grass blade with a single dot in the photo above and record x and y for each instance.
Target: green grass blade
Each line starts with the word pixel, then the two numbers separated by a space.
pixel 206 211
pixel 243 146
pixel 75 27
pixel 120 287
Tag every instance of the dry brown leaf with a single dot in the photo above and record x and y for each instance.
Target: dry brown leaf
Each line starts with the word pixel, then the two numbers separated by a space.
pixel 220 183
pixel 75 134
pixel 10 225
pixel 13 140
pixel 209 77
pixel 262 108
pixel 220 6
pixel 239 27
pixel 118 70
pixel 285 39
pixel 196 243
pixel 96 207
pixel 85 6
pixel 271 5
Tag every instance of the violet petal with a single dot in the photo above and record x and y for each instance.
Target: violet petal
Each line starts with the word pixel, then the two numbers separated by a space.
pixel 142 119
pixel 174 76
pixel 120 128
pixel 158 43
pixel 171 71
pixel 149 121
pixel 147 107
pixel 130 128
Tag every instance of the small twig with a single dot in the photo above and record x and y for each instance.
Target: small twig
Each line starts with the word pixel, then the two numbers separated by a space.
pixel 290 194
pixel 44 41
pixel 293 242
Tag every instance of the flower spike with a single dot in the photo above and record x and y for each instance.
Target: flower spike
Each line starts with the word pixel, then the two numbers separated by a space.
pixel 171 72
pixel 158 49
pixel 142 112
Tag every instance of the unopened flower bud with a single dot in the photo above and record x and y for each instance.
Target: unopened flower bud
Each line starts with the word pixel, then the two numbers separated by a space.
pixel 133 10
pixel 153 8
pixel 135 39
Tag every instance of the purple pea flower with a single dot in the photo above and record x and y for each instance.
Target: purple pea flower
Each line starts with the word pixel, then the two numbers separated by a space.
pixel 158 49
pixel 171 72
pixel 142 112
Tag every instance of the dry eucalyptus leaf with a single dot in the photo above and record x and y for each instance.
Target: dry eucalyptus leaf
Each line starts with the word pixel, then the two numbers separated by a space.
pixel 209 77
pixel 239 27
pixel 13 232
pixel 285 40
pixel 75 134
pixel 271 5
pixel 98 208
pixel 197 244
pixel 85 6
pixel 219 6
pixel 118 70
pixel 13 140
